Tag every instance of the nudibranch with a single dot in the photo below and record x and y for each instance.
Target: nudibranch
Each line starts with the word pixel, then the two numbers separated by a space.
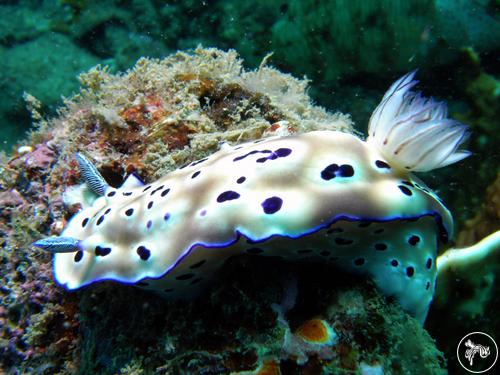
pixel 325 194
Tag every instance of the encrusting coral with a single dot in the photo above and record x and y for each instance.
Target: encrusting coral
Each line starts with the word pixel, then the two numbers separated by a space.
pixel 151 120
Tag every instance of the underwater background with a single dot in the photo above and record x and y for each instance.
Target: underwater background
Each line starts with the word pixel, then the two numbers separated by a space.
pixel 67 65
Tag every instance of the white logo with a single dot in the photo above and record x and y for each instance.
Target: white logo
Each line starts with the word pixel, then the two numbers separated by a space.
pixel 484 351
pixel 477 352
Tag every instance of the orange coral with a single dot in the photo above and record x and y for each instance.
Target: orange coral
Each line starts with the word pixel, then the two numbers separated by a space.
pixel 146 113
pixel 177 136
pixel 315 331
pixel 268 366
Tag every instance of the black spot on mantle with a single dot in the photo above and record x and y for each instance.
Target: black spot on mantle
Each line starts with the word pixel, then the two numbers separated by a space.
pixel 143 252
pixel 279 153
pixel 198 162
pixel 227 196
pixel 414 240
pixel 343 241
pixel 100 220
pixel 405 190
pixel 410 271
pixel 238 158
pixel 272 205
pixel 78 256
pixel 346 170
pixel 359 261
pixel 102 251
pixel 334 170
pixel 428 264
pixel 198 264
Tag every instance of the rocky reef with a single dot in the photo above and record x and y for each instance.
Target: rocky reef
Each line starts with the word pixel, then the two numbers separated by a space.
pixel 261 316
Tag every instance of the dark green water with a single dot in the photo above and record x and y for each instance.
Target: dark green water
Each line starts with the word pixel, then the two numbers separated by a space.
pixel 351 51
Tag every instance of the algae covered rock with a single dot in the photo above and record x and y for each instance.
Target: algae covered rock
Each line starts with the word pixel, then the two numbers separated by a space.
pixel 257 318
pixel 261 316
pixel 164 113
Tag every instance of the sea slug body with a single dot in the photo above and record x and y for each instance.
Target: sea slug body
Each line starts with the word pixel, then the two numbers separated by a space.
pixel 324 194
